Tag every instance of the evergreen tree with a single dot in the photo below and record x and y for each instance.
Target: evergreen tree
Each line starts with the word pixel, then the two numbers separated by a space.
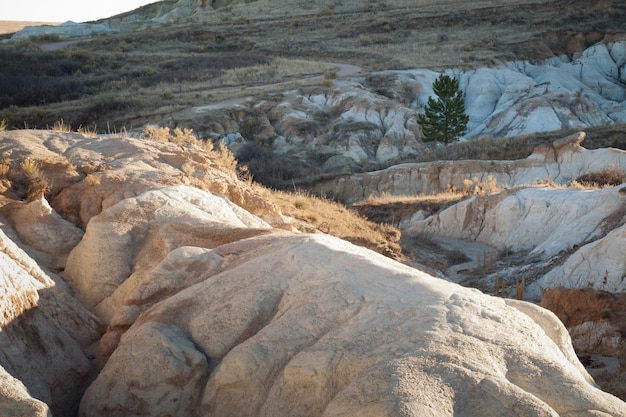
pixel 444 119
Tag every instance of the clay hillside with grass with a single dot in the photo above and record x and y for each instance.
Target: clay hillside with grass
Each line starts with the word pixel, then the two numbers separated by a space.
pixel 252 208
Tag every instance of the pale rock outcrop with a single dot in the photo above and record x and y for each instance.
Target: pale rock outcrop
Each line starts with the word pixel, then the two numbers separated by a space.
pixel 561 163
pixel 599 264
pixel 44 336
pixel 90 174
pixel 67 30
pixel 597 325
pixel 132 236
pixel 542 221
pixel 597 337
pixel 310 325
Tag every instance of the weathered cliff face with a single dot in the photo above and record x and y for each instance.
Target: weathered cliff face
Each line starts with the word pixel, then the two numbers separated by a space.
pixel 211 311
pixel 561 163
pixel 568 237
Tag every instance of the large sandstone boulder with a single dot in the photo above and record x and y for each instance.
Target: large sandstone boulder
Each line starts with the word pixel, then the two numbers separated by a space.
pixel 16 401
pixel 43 229
pixel 310 325
pixel 89 174
pixel 134 235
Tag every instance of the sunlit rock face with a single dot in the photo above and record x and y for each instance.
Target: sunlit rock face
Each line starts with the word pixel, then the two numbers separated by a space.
pixel 310 325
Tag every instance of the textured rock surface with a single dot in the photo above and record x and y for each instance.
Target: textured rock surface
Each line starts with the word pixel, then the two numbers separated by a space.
pixel 135 234
pixel 210 311
pixel 16 401
pixel 311 325
pixel 599 264
pixel 43 229
pixel 44 336
pixel 542 221
pixel 114 168
pixel 563 162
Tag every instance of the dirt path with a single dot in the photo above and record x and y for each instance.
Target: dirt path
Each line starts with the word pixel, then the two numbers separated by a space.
pixel 57 45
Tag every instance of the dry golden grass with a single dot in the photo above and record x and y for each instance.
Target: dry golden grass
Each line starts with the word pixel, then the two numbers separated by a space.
pixel 37 182
pixel 88 131
pixel 310 214
pixel 313 214
pixel 443 199
pixel 61 126
pixel 5 168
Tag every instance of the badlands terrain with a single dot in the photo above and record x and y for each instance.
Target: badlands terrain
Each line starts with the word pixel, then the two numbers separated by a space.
pixel 145 271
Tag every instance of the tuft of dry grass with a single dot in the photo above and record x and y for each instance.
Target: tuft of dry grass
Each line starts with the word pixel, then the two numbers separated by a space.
pixel 3 125
pixel 93 180
pixel 37 183
pixel 478 187
pixel 61 126
pixel 91 132
pixel 180 137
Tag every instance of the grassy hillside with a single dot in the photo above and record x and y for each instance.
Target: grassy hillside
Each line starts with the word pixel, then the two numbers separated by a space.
pixel 126 80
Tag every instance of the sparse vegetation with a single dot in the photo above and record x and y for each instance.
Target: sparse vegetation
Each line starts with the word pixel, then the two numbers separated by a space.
pixel 610 176
pixel 269 168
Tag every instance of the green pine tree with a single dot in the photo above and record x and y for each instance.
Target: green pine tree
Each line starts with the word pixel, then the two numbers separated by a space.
pixel 444 119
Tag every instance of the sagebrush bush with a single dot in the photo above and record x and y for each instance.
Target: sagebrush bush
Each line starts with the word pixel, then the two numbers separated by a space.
pixel 609 176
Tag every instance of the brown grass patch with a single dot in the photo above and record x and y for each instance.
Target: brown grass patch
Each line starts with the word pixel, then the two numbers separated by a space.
pixel 609 176
pixel 313 214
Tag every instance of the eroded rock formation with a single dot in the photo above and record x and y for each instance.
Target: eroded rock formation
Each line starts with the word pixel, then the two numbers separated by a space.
pixel 210 311
pixel 560 163
pixel 310 325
